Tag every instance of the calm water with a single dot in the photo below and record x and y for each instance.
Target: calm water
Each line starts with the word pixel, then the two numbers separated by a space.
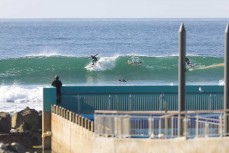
pixel 33 51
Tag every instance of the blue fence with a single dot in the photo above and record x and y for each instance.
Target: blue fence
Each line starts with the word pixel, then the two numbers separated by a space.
pixel 86 99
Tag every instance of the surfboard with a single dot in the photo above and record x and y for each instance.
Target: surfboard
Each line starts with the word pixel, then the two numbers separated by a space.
pixel 206 67
pixel 134 61
pixel 89 66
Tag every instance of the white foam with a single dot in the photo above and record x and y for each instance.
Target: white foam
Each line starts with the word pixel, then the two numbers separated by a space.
pixel 48 53
pixel 221 83
pixel 104 63
pixel 14 98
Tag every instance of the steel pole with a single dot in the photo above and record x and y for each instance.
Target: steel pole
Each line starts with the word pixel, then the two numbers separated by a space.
pixel 181 75
pixel 226 81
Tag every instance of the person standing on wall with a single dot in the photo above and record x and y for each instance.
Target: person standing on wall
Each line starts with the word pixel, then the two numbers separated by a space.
pixel 58 84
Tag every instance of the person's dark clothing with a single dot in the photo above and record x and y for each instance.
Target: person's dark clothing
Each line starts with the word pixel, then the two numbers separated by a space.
pixel 187 61
pixel 58 84
pixel 94 59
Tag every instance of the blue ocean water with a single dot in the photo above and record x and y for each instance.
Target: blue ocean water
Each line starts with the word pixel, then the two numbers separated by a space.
pixel 33 51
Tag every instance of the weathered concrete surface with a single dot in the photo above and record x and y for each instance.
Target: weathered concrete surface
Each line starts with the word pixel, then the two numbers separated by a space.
pixel 71 138
pixel 67 136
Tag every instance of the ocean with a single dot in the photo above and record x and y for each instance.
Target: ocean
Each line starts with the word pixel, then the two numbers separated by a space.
pixel 33 51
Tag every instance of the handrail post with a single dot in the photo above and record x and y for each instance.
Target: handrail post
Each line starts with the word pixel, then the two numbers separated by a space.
pixel 130 102
pixel 185 126
pixel 159 128
pixel 78 97
pixel 166 127
pixel 181 76
pixel 206 129
pixel 197 125
pixel 172 128
pixel 210 101
pixel 109 102
pixel 150 126
pixel 220 125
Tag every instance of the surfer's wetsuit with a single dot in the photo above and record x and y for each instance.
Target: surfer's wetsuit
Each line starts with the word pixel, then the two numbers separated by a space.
pixel 188 62
pixel 94 59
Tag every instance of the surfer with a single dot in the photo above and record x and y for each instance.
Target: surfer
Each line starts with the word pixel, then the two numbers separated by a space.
pixel 122 80
pixel 188 63
pixel 134 61
pixel 94 59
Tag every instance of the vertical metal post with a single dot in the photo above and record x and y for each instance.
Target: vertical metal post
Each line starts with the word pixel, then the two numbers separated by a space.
pixel 130 102
pixel 221 125
pixel 206 129
pixel 159 130
pixel 197 125
pixel 78 97
pixel 109 102
pixel 181 76
pixel 210 101
pixel 172 128
pixel 226 75
pixel 150 126
pixel 185 126
pixel 152 133
pixel 166 127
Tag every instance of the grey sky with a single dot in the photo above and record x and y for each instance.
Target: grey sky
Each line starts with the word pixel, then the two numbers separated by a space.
pixel 114 8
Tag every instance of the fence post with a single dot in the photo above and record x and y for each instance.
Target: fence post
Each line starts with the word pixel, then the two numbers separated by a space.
pixel 206 129
pixel 150 126
pixel 78 97
pixel 210 101
pixel 181 76
pixel 166 127
pixel 197 125
pixel 221 125
pixel 109 102
pixel 159 129
pixel 226 86
pixel 185 125
pixel 130 102
pixel 172 134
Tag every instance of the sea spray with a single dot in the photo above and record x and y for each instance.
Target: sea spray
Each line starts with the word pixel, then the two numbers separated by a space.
pixel 104 63
pixel 16 97
pixel 20 94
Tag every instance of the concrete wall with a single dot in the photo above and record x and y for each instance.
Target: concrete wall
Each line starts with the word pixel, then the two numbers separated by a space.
pixel 69 137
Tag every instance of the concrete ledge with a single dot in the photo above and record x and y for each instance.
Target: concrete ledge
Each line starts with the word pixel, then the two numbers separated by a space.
pixel 69 137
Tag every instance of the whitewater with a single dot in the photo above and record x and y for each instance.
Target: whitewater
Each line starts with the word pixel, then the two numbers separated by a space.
pixel 34 51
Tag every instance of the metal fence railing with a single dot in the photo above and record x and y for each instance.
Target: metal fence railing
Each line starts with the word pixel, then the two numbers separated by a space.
pixel 87 103
pixel 159 125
